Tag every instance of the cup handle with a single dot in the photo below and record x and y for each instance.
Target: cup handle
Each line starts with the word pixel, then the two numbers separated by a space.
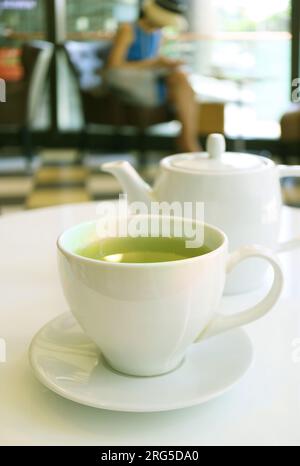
pixel 286 171
pixel 221 323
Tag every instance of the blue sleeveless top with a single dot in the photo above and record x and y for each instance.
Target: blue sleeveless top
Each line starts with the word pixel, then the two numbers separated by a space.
pixel 144 47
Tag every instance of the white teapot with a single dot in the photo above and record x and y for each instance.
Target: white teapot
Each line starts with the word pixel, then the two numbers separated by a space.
pixel 241 195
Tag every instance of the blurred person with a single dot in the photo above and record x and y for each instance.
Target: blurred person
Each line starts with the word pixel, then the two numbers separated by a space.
pixel 141 76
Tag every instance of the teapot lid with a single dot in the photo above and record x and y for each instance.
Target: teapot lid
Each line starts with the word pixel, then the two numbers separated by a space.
pixel 217 161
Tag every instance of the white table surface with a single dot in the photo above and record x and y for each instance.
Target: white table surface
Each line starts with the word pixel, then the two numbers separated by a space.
pixel 263 409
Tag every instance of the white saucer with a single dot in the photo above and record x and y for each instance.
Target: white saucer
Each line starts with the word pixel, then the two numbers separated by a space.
pixel 67 362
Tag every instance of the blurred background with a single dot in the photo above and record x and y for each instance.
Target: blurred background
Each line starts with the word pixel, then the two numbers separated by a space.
pixel 242 57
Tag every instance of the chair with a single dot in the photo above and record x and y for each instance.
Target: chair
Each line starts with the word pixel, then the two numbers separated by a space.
pixel 87 59
pixel 290 132
pixel 23 97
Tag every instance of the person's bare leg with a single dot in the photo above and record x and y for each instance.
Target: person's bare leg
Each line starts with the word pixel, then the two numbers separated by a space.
pixel 182 96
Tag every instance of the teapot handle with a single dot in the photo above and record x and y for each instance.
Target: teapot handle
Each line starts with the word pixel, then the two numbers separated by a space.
pixel 286 171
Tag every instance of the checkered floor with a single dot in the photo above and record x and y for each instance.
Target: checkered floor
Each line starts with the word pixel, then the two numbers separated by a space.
pixel 56 179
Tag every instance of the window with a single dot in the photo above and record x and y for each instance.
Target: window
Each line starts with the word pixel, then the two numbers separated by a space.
pixel 89 20
pixel 238 51
pixel 241 49
pixel 21 21
pixel 86 19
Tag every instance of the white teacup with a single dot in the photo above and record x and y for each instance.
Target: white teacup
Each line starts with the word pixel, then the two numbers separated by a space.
pixel 144 317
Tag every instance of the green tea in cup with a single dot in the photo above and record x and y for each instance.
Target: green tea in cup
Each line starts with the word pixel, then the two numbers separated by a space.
pixel 141 250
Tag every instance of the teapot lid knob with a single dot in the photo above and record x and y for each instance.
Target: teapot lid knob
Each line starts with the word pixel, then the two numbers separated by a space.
pixel 216 146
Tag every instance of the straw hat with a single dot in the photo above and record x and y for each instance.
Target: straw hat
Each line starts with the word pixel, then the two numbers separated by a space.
pixel 167 13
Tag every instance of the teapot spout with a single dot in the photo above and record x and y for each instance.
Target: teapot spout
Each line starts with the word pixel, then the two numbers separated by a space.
pixel 132 184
